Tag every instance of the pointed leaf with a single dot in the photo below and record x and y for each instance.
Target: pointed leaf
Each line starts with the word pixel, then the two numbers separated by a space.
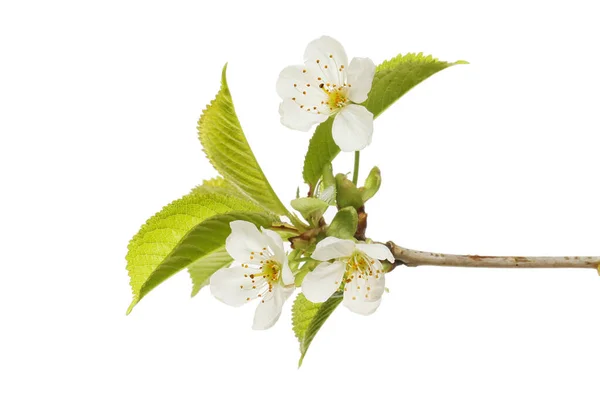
pixel 308 317
pixel 161 233
pixel 205 239
pixel 392 80
pixel 201 271
pixel 227 149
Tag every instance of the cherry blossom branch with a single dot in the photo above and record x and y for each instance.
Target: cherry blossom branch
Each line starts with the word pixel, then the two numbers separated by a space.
pixel 414 258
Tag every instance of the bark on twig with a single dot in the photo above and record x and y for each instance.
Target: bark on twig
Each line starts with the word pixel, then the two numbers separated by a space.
pixel 414 258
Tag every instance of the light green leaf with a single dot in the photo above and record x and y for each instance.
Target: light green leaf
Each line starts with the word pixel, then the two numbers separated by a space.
pixel 344 223
pixel 227 149
pixel 202 269
pixel 321 151
pixel 392 80
pixel 219 185
pixel 308 317
pixel 310 208
pixel 205 239
pixel 161 233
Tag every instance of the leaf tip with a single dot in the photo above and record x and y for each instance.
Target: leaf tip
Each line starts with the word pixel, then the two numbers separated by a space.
pixel 224 72
pixel 133 303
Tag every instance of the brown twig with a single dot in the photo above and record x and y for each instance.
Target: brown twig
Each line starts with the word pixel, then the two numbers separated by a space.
pixel 414 258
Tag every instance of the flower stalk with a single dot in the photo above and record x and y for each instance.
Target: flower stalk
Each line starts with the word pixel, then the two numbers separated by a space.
pixel 356 167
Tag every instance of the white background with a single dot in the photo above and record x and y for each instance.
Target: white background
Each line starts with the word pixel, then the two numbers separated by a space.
pixel 98 110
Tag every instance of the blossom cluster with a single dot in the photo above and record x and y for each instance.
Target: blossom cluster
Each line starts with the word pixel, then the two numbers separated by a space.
pixel 325 86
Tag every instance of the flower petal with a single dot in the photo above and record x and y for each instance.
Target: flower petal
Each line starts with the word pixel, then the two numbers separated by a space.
pixel 323 281
pixel 326 58
pixel 374 286
pixel 269 309
pixel 287 277
pixel 353 128
pixel 294 116
pixel 275 244
pixel 376 250
pixel 362 307
pixel 233 286
pixel 245 239
pixel 296 81
pixel 332 247
pixel 363 295
pixel 360 78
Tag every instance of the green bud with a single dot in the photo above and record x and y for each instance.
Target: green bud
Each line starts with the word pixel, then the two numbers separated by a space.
pixel 372 184
pixel 347 193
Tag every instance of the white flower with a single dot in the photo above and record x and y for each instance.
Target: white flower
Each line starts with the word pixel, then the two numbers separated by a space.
pixel 355 264
pixel 264 273
pixel 327 85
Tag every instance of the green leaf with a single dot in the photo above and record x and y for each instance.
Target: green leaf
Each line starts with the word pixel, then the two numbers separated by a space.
pixel 220 186
pixel 202 269
pixel 205 239
pixel 321 150
pixel 392 80
pixel 344 224
pixel 308 317
pixel 161 233
pixel 227 149
pixel 310 207
pixel 372 184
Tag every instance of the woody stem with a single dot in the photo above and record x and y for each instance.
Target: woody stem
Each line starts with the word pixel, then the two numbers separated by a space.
pixel 414 258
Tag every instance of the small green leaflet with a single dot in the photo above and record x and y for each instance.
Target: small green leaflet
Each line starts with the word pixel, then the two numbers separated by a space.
pixel 205 239
pixel 310 207
pixel 227 149
pixel 392 80
pixel 161 233
pixel 308 317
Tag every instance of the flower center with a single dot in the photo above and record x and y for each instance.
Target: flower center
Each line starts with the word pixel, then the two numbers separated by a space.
pixel 270 270
pixel 338 98
pixel 358 262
